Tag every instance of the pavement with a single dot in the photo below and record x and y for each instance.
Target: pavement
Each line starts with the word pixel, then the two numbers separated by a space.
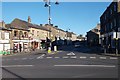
pixel 70 63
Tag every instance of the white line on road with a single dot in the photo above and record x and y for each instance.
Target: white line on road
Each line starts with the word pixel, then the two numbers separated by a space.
pixel 48 57
pixel 41 56
pixel 65 57
pixel 102 57
pixel 113 58
pixel 18 66
pixel 57 57
pixel 85 65
pixel 92 57
pixel 83 57
pixel 73 57
pixel 24 58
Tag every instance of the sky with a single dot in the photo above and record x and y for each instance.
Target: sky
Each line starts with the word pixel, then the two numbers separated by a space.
pixel 79 17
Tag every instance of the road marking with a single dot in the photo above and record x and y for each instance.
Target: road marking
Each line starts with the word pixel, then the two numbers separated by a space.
pixel 24 58
pixel 71 53
pixel 110 66
pixel 113 58
pixel 57 57
pixel 73 57
pixel 48 57
pixel 18 66
pixel 41 56
pixel 65 57
pixel 92 57
pixel 102 57
pixel 83 57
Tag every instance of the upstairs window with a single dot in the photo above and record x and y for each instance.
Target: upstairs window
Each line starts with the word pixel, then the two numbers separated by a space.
pixel 0 35
pixel 37 33
pixel 25 34
pixel 15 33
pixel 33 32
pixel 115 8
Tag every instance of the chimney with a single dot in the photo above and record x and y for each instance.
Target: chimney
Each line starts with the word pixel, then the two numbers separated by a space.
pixel 2 24
pixel 41 24
pixel 29 19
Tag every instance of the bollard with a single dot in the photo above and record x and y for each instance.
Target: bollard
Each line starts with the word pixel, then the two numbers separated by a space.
pixel 49 49
pixel 55 48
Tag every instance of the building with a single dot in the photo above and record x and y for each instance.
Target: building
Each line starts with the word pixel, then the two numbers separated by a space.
pixel 110 26
pixel 93 36
pixel 56 33
pixel 5 35
pixel 74 37
pixel 19 35
pixel 27 36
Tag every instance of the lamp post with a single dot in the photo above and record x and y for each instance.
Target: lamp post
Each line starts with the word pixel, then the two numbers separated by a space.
pixel 48 4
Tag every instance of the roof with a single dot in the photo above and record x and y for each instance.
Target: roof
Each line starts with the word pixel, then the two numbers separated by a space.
pixel 2 28
pixel 24 25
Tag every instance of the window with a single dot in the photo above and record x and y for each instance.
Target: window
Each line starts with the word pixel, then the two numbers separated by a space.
pixel 110 11
pixel 25 34
pixel 33 32
pixel 0 35
pixel 96 30
pixel 37 33
pixel 15 33
pixel 115 7
pixel 7 36
pixel 111 25
pixel 105 16
pixel 114 22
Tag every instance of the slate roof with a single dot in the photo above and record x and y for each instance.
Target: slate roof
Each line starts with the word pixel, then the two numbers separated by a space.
pixel 24 25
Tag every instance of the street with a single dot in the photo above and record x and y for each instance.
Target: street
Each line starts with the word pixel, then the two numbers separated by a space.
pixel 67 63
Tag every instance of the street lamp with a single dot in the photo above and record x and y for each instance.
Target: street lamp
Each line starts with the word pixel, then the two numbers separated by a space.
pixel 48 4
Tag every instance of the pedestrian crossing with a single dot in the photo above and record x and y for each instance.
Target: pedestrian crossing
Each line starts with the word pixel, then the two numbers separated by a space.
pixel 63 57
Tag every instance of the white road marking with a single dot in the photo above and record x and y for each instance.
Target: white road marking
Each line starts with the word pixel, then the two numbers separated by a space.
pixel 73 57
pixel 65 57
pixel 24 58
pixel 57 57
pixel 71 53
pixel 85 66
pixel 92 57
pixel 48 57
pixel 41 56
pixel 102 57
pixel 83 57
pixel 17 66
pixel 113 58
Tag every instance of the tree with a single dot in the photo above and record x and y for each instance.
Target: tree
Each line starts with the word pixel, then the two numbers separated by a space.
pixel 80 36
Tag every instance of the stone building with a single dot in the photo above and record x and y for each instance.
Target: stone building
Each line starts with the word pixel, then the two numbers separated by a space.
pixel 93 36
pixel 5 35
pixel 110 26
